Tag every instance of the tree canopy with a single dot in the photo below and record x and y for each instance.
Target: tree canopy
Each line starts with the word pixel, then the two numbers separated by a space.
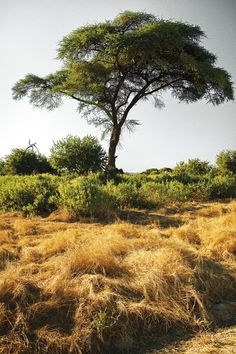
pixel 108 67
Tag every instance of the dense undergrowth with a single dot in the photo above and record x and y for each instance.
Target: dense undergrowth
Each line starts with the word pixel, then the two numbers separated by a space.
pixel 93 195
pixel 97 288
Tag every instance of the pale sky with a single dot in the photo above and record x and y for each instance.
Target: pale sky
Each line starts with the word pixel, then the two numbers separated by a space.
pixel 29 34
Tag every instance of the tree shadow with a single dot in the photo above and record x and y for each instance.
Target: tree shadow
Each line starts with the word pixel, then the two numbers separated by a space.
pixel 171 340
pixel 150 217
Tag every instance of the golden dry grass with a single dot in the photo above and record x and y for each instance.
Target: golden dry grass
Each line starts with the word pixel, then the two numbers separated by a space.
pixel 69 287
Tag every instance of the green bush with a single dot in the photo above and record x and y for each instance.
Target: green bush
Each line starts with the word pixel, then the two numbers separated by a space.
pixel 26 162
pixel 126 195
pixel 2 164
pixel 222 187
pixel 151 195
pixel 73 154
pixel 154 195
pixel 192 167
pixel 137 179
pixel 226 162
pixel 86 196
pixel 29 194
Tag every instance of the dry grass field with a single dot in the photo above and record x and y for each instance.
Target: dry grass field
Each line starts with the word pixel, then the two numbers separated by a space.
pixel 87 287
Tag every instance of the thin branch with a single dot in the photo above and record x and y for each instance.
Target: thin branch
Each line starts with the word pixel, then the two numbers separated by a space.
pixel 89 102
pixel 161 87
pixel 142 94
pixel 126 100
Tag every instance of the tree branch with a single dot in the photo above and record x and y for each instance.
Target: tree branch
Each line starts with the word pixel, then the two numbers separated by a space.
pixel 142 94
pixel 90 103
pixel 161 87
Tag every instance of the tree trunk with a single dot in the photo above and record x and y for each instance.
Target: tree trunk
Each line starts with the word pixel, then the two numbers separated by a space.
pixel 115 136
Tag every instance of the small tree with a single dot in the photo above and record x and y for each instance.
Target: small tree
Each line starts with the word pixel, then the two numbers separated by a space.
pixel 109 67
pixel 73 154
pixel 26 162
pixel 226 161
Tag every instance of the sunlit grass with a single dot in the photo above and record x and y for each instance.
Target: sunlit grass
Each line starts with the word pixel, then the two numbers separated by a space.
pixel 69 287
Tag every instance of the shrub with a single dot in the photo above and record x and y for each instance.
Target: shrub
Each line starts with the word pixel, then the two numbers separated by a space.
pixel 151 194
pixel 226 161
pixel 73 154
pixel 29 194
pixel 86 196
pixel 192 167
pixel 222 187
pixel 26 162
pixel 2 163
pixel 126 195
pixel 136 179
pixel 186 179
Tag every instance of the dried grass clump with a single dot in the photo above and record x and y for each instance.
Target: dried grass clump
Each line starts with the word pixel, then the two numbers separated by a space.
pixel 188 233
pixel 5 236
pixel 216 209
pixel 91 260
pixel 25 227
pixel 93 288
pixel 215 235
pixel 3 225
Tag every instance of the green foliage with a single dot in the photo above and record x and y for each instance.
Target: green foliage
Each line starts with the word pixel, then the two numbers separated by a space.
pixel 221 187
pixel 126 195
pixel 192 167
pixel 104 320
pixel 86 196
pixel 92 196
pixel 104 62
pixel 2 163
pixel 73 154
pixel 137 179
pixel 226 161
pixel 26 162
pixel 153 194
pixel 29 194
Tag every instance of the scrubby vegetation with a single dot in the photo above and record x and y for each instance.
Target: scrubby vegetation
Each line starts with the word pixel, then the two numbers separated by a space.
pixel 95 288
pixel 29 194
pixel 97 195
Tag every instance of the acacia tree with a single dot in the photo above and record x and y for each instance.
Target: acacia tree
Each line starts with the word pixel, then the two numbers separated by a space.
pixel 109 67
